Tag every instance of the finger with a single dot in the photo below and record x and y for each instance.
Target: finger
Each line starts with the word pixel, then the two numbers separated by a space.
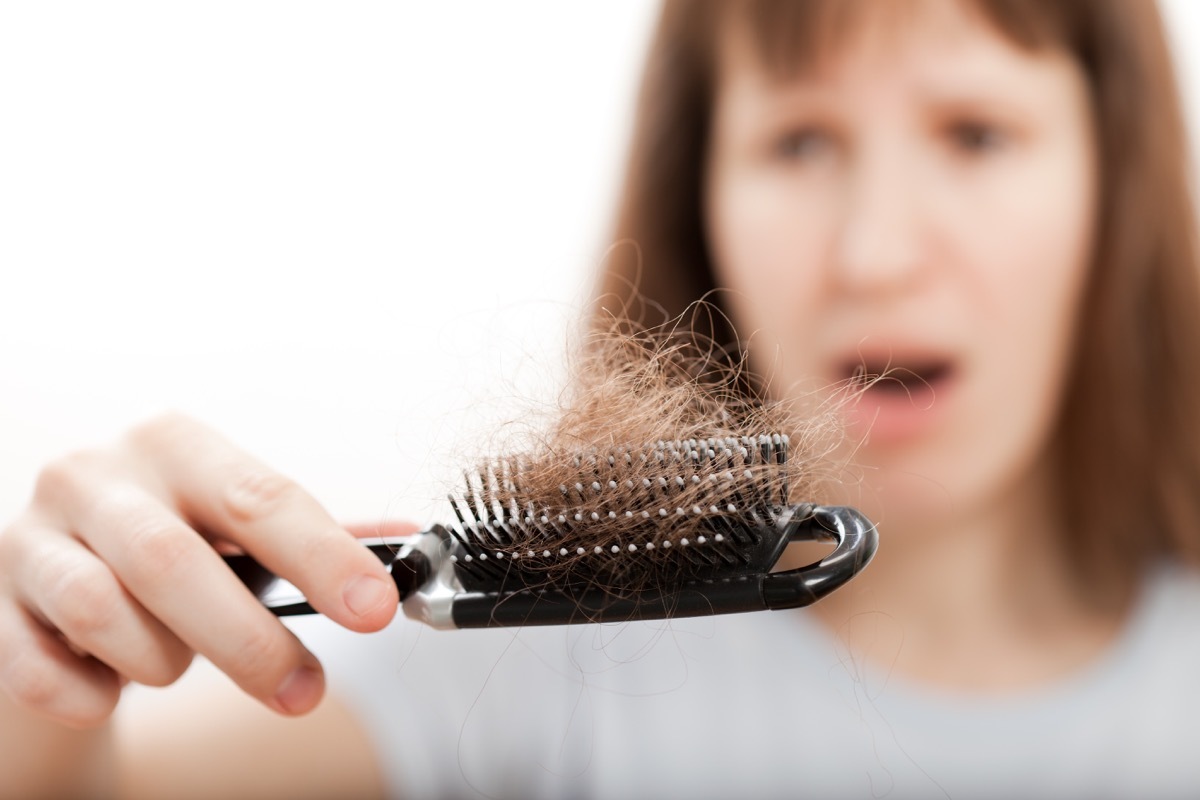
pixel 282 526
pixel 390 529
pixel 173 572
pixel 41 674
pixel 76 593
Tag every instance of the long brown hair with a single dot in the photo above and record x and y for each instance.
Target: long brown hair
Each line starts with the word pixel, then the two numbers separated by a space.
pixel 1127 440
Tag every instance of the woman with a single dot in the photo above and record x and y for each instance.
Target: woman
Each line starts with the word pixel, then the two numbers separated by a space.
pixel 987 202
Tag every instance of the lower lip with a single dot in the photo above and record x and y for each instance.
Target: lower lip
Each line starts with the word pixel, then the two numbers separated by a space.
pixel 896 414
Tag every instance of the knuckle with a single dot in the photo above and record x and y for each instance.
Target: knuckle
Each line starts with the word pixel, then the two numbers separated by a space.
pixel 163 430
pixel 160 548
pixel 256 494
pixel 29 684
pixel 327 553
pixel 92 715
pixel 155 540
pixel 11 547
pixel 84 597
pixel 261 656
pixel 64 476
pixel 164 669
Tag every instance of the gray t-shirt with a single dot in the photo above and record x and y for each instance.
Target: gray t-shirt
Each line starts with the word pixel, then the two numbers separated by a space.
pixel 760 706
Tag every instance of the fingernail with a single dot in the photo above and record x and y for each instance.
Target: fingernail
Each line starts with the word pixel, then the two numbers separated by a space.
pixel 365 593
pixel 299 691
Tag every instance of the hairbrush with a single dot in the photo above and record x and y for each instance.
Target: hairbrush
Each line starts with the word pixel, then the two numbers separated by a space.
pixel 678 529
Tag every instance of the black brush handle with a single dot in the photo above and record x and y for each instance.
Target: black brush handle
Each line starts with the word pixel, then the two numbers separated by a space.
pixel 857 541
pixel 409 567
pixel 533 607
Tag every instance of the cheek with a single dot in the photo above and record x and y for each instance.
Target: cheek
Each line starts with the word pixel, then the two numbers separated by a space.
pixel 1030 263
pixel 1038 247
pixel 765 246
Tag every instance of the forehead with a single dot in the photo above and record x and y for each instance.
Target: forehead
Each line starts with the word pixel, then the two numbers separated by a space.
pixel 935 47
pixel 786 39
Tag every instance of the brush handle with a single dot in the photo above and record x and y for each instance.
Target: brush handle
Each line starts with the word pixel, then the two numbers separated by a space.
pixel 407 563
pixel 857 540
pixel 856 537
pixel 411 561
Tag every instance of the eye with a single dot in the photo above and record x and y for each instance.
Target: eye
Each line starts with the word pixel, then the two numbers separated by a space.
pixel 804 144
pixel 975 137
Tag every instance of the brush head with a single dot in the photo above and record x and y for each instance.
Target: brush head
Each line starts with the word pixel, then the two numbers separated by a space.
pixel 624 520
pixel 684 528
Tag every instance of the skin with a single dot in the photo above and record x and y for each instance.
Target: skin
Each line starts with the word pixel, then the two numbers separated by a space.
pixel 109 560
pixel 897 204
pixel 924 201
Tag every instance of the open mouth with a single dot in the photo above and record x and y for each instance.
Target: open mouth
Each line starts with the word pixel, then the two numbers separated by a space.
pixel 897 377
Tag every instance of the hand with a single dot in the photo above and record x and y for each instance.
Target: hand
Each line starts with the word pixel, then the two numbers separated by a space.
pixel 111 574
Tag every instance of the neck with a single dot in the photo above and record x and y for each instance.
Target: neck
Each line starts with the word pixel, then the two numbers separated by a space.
pixel 982 600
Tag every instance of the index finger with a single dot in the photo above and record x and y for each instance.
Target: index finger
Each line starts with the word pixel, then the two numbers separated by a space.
pixel 224 490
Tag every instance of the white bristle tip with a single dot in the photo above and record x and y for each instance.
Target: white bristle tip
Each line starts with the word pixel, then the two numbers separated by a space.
pixel 597 549
pixel 633 548
pixel 580 550
pixel 595 516
pixel 562 551
pixel 720 537
pixel 616 549
pixel 545 554
pixel 701 540
pixel 666 544
pixel 684 542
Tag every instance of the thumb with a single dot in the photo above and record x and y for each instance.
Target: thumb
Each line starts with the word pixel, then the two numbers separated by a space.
pixel 384 530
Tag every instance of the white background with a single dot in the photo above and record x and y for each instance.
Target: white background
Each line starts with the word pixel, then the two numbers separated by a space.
pixel 347 235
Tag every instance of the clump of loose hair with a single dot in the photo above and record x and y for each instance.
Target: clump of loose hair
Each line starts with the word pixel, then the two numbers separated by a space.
pixel 660 443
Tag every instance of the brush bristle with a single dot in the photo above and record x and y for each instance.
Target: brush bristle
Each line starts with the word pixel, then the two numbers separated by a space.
pixel 625 518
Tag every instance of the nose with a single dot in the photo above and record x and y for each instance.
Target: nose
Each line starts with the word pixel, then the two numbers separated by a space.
pixel 880 241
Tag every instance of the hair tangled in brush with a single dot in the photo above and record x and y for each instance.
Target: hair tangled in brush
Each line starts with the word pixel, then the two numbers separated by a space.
pixel 659 453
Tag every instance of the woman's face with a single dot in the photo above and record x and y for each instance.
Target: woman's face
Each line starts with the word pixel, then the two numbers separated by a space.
pixel 921 202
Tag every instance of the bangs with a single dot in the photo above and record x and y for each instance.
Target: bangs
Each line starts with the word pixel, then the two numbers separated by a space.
pixel 794 37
